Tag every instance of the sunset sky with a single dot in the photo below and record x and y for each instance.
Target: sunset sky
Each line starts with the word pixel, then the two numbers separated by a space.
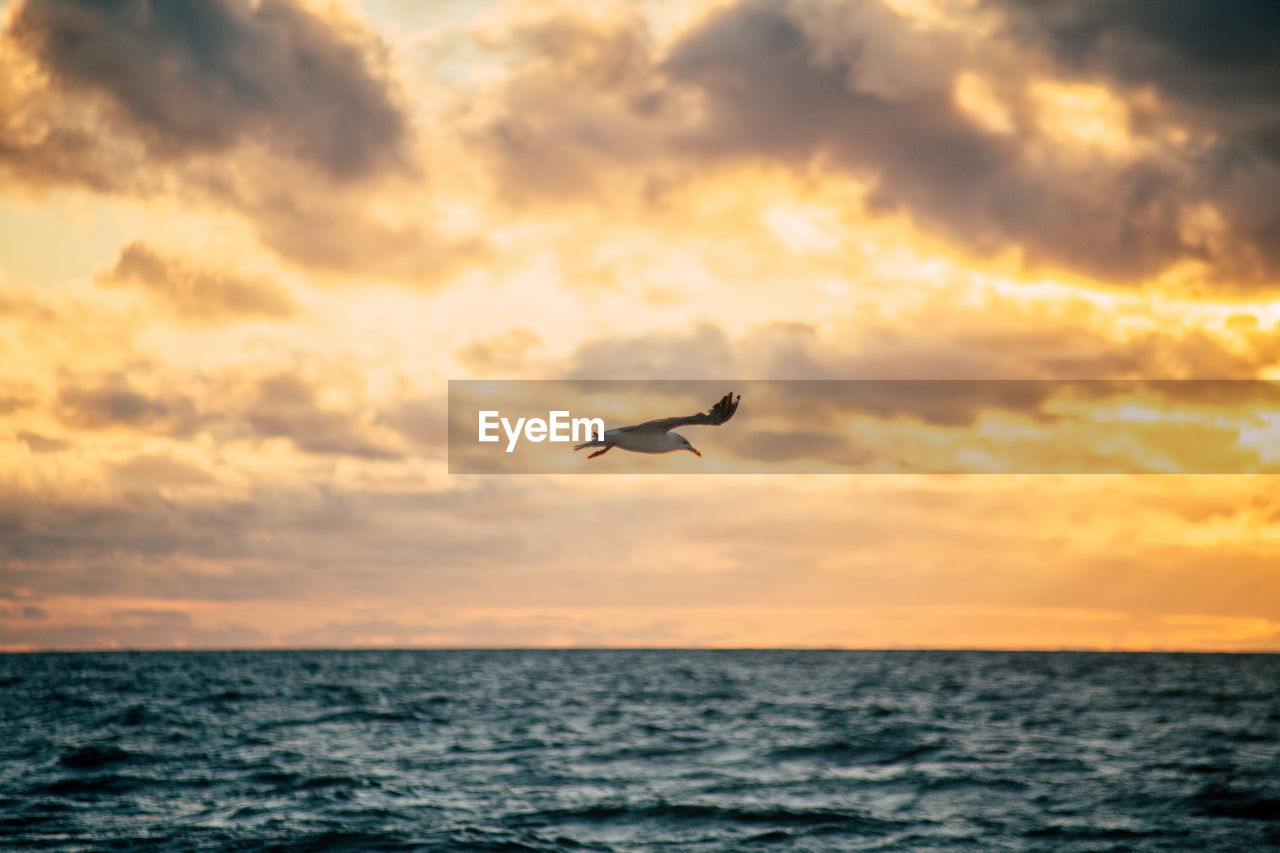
pixel 245 245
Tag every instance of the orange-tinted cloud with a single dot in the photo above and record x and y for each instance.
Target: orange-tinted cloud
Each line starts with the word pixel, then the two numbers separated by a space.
pixel 265 110
pixel 285 406
pixel 194 293
pixel 997 341
pixel 180 82
pixel 868 92
pixel 115 402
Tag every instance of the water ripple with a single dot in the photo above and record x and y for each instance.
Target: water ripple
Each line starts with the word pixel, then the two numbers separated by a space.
pixel 639 751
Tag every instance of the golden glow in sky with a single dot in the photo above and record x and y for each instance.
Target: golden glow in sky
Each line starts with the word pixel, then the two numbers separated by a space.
pixel 244 245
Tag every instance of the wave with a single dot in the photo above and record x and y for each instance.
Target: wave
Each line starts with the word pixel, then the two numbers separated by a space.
pixel 661 810
pixel 93 757
pixel 1219 800
pixel 638 752
pixel 874 750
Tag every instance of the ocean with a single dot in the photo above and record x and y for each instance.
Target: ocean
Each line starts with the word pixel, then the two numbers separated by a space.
pixel 639 751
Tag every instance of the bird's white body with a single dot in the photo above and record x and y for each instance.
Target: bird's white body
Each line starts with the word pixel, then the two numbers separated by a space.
pixel 645 440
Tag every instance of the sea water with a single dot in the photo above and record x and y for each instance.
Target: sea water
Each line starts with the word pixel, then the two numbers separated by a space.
pixel 639 751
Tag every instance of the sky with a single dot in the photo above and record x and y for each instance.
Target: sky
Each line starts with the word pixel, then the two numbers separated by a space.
pixel 244 246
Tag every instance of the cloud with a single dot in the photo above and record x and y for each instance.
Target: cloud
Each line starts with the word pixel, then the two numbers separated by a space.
pixel 1203 55
pixel 131 632
pixel 265 109
pixel 1003 342
pixel 778 85
pixel 42 443
pixel 15 394
pixel 703 351
pixel 585 97
pixel 196 294
pixel 422 421
pixel 762 445
pixel 150 616
pixel 1211 65
pixel 27 612
pixel 151 471
pixel 504 352
pixel 440 564
pixel 1062 420
pixel 285 406
pixel 1071 164
pixel 994 340
pixel 338 233
pixel 941 402
pixel 116 403
pixel 185 80
pixel 140 543
pixel 276 540
pixel 61 544
pixel 319 413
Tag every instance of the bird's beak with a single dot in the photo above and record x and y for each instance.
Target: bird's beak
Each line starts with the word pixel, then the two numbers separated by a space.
pixel 695 452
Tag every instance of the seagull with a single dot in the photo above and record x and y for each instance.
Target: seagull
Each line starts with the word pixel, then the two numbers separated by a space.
pixel 656 436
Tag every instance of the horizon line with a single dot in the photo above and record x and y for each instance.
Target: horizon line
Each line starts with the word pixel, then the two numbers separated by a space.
pixel 463 648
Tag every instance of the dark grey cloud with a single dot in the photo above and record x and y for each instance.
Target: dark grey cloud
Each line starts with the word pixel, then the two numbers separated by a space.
pixel 196 294
pixel 773 90
pixel 1220 57
pixel 857 88
pixel 261 108
pixel 203 78
pixel 285 406
pixel 1217 68
pixel 116 403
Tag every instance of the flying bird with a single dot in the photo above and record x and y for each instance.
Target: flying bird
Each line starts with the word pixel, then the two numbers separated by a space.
pixel 656 436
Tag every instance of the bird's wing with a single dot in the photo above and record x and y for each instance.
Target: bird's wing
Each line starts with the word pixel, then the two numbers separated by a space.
pixel 716 415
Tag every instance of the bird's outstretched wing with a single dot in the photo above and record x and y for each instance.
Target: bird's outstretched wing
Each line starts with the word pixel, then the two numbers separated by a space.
pixel 716 415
